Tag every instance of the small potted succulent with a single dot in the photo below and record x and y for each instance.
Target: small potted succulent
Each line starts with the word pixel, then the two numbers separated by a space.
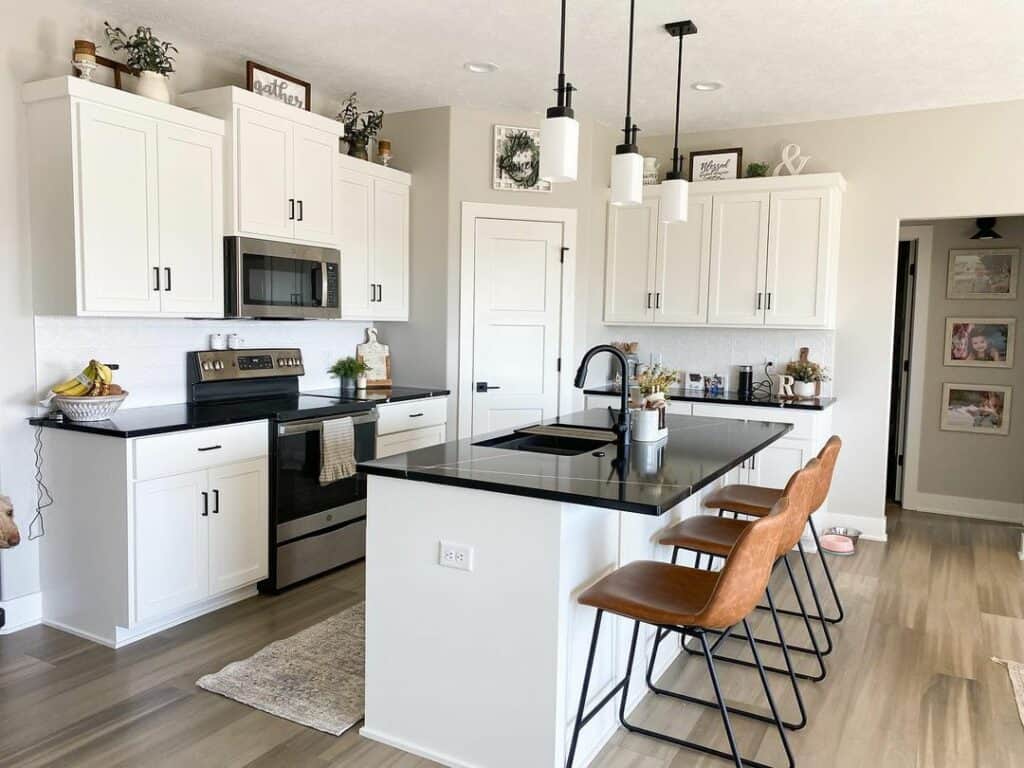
pixel 649 423
pixel 352 373
pixel 806 377
pixel 360 127
pixel 148 57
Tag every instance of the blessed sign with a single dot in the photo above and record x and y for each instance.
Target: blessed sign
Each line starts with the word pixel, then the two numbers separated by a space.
pixel 277 85
pixel 715 164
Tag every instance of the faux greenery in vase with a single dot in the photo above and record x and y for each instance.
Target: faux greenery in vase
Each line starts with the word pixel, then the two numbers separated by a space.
pixel 360 127
pixel 147 56
pixel 654 383
pixel 806 377
pixel 349 370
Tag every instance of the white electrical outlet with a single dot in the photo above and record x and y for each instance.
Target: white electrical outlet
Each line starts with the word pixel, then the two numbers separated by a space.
pixel 457 556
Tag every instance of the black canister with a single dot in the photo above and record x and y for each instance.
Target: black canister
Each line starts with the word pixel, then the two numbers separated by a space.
pixel 745 390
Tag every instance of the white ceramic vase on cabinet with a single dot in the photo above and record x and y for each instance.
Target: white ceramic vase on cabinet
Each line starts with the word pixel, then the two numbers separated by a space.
pixel 153 85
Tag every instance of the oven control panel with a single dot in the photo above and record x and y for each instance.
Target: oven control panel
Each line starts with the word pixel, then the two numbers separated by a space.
pixel 234 364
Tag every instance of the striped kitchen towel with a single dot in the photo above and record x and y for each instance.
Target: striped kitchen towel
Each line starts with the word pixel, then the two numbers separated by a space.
pixel 337 451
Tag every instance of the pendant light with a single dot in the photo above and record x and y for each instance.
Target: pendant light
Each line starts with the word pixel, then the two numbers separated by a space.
pixel 986 229
pixel 675 190
pixel 560 133
pixel 627 164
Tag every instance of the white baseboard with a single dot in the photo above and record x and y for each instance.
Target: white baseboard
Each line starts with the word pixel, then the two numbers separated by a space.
pixel 413 749
pixel 961 506
pixel 22 612
pixel 872 528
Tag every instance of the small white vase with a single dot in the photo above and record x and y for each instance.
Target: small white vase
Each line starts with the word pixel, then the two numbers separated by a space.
pixel 647 426
pixel 153 85
pixel 804 388
pixel 361 382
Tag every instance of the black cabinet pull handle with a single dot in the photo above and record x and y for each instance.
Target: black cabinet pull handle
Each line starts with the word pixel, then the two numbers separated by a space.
pixel 167 270
pixel 300 210
pixel 657 301
pixel 206 504
pixel 156 274
pixel 415 415
pixel 648 301
pixel 380 292
pixel 769 300
pixel 210 448
pixel 291 209
pixel 216 501
pixel 759 295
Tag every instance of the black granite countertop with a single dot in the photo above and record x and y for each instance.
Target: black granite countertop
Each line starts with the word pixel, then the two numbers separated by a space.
pixel 158 419
pixel 727 398
pixel 653 479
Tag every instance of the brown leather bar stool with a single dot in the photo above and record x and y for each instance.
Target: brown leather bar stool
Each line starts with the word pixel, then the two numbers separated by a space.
pixel 716 537
pixel 691 602
pixel 755 501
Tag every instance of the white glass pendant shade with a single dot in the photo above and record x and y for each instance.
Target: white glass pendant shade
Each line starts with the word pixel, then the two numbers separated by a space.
pixel 627 179
pixel 675 200
pixel 559 149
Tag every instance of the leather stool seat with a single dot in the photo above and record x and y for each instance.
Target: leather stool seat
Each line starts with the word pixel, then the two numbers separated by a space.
pixel 705 533
pixel 653 592
pixel 745 499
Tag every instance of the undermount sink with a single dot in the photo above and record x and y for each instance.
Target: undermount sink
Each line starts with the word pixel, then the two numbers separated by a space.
pixel 552 439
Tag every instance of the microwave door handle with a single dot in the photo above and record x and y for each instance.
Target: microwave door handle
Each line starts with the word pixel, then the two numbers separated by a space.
pixel 323 285
pixel 319 285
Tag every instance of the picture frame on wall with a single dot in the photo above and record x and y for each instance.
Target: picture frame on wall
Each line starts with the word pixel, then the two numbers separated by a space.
pixel 982 409
pixel 272 84
pixel 980 342
pixel 716 164
pixel 983 273
pixel 517 160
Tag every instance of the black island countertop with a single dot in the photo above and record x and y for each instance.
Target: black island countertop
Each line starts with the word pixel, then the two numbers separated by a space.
pixel 654 478
pixel 726 398
pixel 158 419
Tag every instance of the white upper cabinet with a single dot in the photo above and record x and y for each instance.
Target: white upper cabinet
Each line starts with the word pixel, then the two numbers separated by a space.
pixel 280 167
pixel 753 253
pixel 373 236
pixel 632 252
pixel 739 255
pixel 683 266
pixel 125 203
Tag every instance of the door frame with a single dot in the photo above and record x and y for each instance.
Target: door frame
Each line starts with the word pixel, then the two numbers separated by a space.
pixel 567 217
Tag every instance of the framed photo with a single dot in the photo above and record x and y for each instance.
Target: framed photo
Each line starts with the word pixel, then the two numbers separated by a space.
pixel 984 273
pixel 517 159
pixel 980 408
pixel 277 85
pixel 982 342
pixel 716 164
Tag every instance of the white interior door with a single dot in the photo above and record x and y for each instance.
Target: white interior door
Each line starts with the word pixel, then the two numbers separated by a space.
pixel 739 258
pixel 516 332
pixel 313 153
pixel 684 261
pixel 265 199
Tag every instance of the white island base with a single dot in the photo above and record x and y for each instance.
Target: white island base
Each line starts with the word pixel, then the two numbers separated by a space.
pixel 483 668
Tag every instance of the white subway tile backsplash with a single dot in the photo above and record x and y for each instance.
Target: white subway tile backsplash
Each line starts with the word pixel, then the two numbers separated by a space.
pixel 151 352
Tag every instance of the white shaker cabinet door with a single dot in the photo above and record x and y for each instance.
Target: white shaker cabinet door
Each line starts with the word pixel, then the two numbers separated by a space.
pixel 238 525
pixel 313 174
pixel 191 222
pixel 391 250
pixel 266 205
pixel 120 257
pixel 798 258
pixel 684 260
pixel 773 466
pixel 171 544
pixel 355 230
pixel 631 254
pixel 739 256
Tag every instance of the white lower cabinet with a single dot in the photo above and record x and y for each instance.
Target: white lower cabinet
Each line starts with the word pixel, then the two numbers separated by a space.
pixel 238 525
pixel 411 425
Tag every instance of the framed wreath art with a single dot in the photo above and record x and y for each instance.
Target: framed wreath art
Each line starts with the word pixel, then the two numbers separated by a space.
pixel 517 159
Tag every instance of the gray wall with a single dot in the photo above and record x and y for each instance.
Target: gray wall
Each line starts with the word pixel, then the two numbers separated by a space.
pixel 958 463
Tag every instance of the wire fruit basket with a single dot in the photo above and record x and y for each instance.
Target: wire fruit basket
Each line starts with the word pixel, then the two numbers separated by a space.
pixel 89 408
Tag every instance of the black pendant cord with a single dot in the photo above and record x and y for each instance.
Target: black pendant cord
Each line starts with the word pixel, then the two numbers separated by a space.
pixel 564 89
pixel 629 130
pixel 679 93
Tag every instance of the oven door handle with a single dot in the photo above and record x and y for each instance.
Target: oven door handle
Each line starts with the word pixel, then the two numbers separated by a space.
pixel 316 425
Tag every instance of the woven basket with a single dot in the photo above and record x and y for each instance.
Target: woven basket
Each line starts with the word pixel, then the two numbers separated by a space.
pixel 89 408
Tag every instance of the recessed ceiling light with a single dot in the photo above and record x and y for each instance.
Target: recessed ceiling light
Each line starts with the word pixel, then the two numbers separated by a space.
pixel 706 85
pixel 480 67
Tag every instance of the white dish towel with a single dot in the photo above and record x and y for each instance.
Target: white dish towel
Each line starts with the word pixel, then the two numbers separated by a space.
pixel 337 451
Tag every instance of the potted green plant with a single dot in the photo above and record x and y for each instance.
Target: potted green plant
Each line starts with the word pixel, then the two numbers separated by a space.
pixel 360 127
pixel 148 57
pixel 806 376
pixel 351 371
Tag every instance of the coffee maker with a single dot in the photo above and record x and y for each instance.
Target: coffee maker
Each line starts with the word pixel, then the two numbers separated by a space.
pixel 745 385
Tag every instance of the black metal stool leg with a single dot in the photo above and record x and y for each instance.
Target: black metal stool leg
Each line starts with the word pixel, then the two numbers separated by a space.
pixel 828 576
pixel 768 694
pixel 817 600
pixel 580 722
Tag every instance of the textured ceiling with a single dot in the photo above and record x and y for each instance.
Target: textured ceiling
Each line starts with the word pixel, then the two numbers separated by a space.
pixel 781 60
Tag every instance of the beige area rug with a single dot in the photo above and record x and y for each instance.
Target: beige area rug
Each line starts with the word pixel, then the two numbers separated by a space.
pixel 1016 670
pixel 314 678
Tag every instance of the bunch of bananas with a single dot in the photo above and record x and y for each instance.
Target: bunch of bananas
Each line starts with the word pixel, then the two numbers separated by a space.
pixel 96 380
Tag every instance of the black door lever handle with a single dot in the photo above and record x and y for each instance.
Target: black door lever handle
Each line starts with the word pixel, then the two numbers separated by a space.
pixel 483 386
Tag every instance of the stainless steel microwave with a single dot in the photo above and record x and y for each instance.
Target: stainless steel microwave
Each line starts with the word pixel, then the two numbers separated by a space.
pixel 282 281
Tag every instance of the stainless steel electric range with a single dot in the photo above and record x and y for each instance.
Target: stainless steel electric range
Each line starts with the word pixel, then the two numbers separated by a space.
pixel 313 528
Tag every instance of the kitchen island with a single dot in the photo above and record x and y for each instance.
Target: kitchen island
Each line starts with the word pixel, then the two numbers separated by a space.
pixel 475 645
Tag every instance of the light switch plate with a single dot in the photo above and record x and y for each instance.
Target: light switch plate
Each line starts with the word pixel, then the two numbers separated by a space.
pixel 458 556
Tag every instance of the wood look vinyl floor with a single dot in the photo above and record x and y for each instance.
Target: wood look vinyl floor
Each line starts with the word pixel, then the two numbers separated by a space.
pixel 910 682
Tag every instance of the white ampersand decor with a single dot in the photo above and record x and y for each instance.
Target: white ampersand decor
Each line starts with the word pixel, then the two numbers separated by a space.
pixel 791 161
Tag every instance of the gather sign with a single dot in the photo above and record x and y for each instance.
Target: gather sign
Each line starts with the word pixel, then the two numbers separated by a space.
pixel 277 85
